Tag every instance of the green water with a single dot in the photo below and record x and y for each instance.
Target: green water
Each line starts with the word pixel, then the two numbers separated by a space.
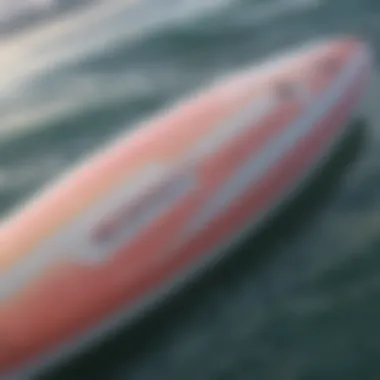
pixel 300 301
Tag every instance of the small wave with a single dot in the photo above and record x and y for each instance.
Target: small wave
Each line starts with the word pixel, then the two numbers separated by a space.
pixel 27 106
pixel 270 11
pixel 73 38
pixel 28 173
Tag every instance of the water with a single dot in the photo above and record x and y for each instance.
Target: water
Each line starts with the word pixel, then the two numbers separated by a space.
pixel 300 301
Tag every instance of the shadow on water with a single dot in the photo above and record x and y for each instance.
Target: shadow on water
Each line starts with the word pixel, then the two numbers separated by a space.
pixel 129 345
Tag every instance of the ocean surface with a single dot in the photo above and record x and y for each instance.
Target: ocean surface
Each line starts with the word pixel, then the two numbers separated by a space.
pixel 299 300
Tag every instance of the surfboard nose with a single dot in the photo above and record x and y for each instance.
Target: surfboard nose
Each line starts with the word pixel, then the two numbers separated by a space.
pixel 351 50
pixel 359 55
pixel 350 57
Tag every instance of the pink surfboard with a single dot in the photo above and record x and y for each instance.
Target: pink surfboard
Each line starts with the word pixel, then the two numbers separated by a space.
pixel 138 218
